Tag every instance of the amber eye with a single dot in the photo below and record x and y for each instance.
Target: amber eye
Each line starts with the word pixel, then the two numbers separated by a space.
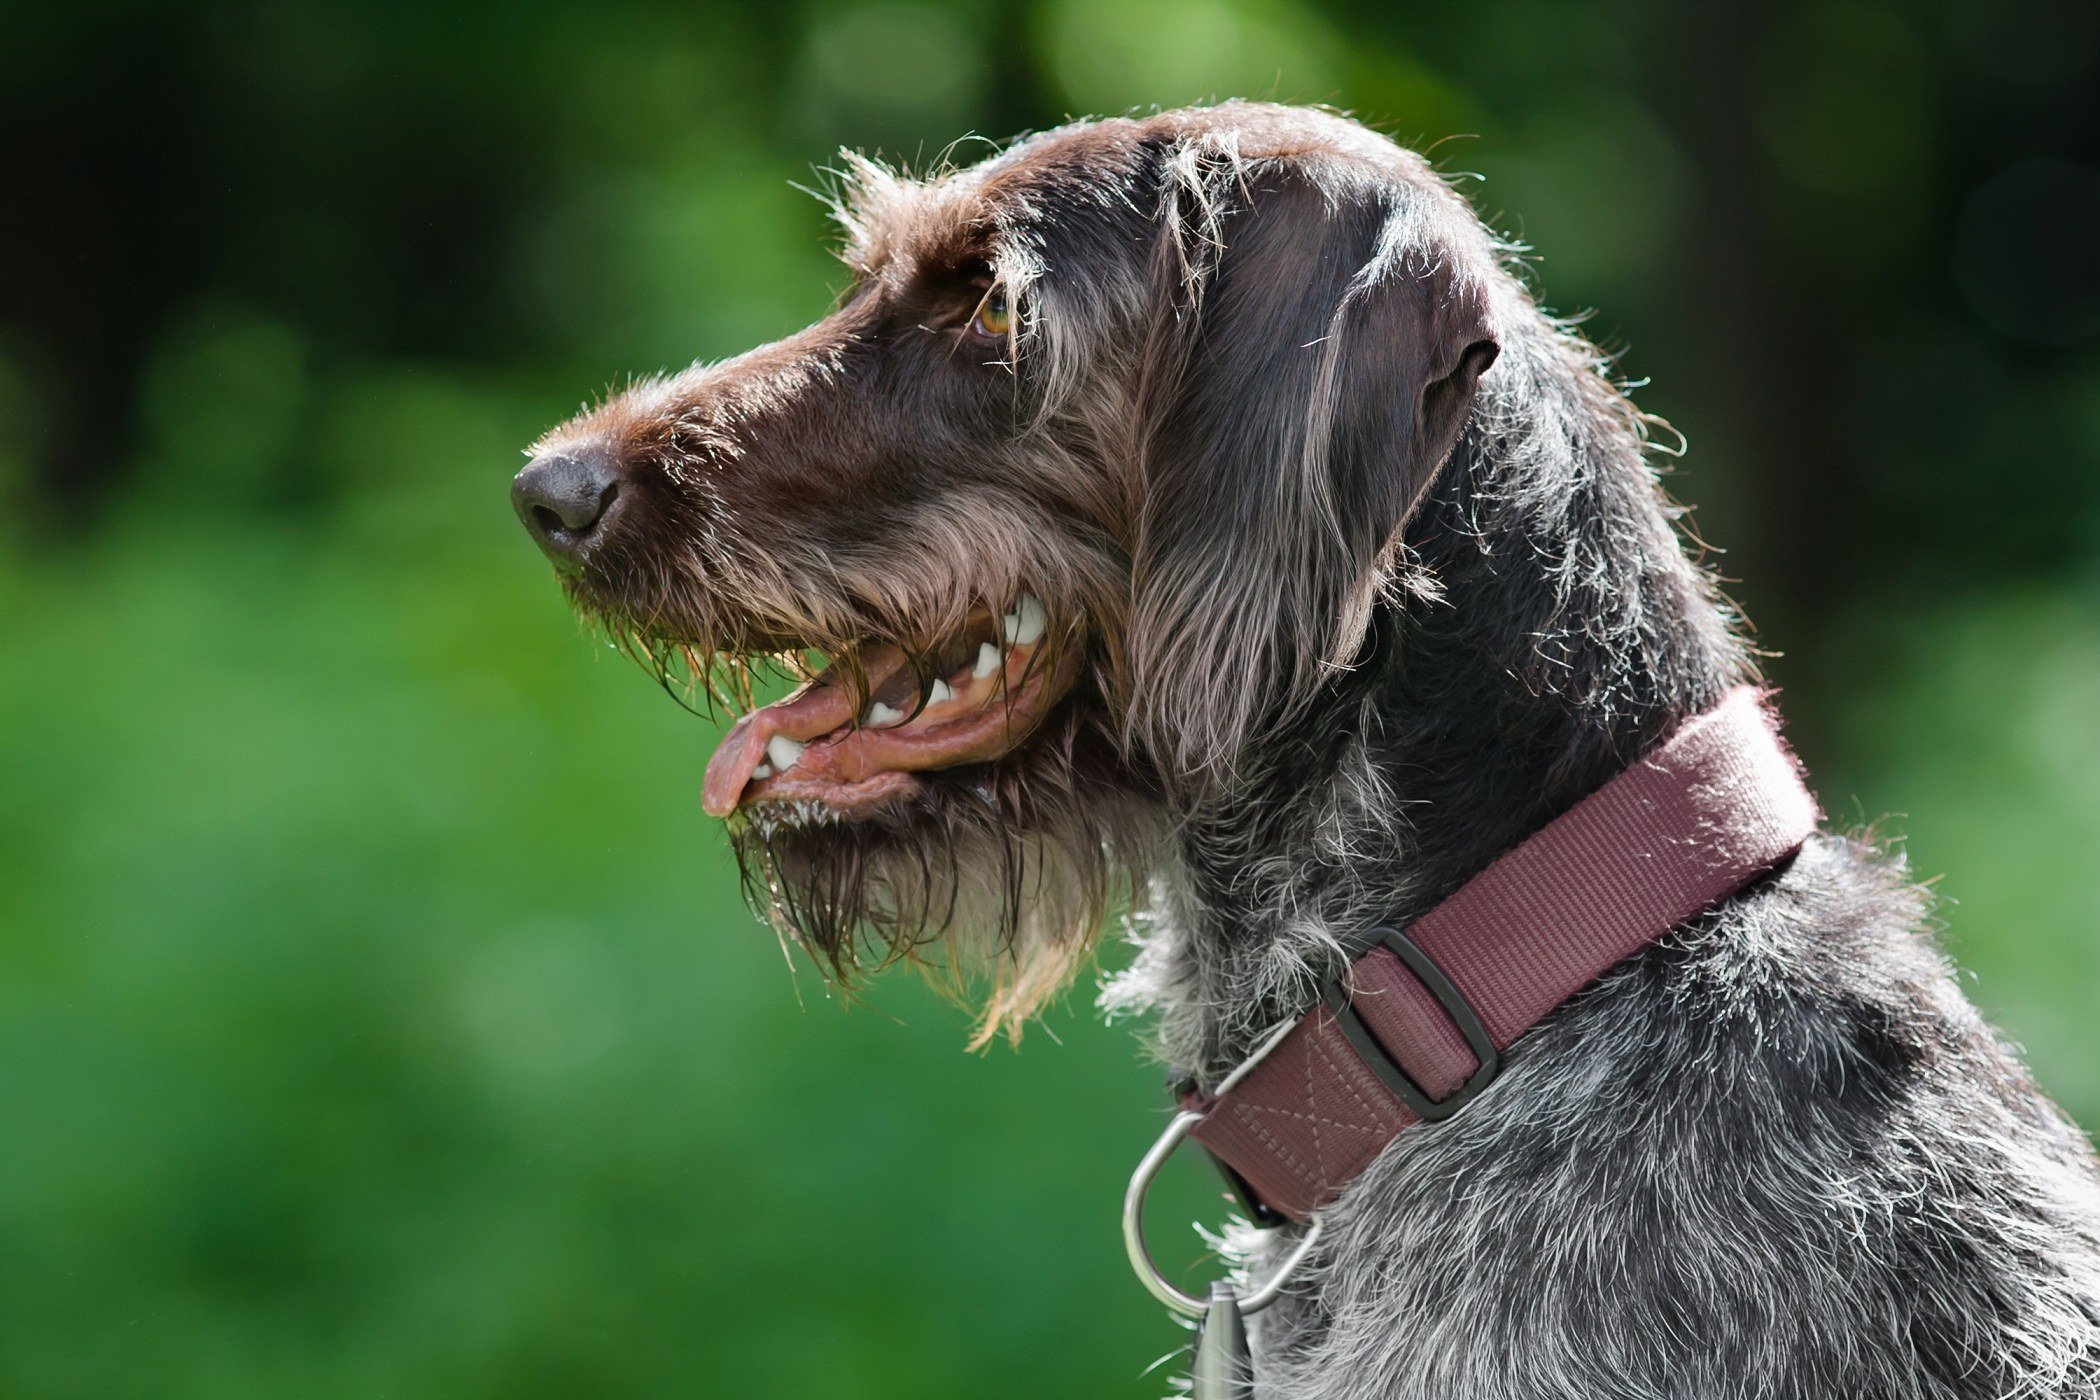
pixel 995 318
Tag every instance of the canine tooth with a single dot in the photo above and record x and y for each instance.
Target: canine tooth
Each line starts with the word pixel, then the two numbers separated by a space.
pixel 1024 625
pixel 988 661
pixel 783 752
pixel 880 714
pixel 939 691
pixel 764 770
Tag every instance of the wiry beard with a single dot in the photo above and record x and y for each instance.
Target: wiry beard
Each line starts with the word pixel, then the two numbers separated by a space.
pixel 995 880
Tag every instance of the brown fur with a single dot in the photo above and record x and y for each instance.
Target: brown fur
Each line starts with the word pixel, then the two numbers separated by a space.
pixel 1334 666
pixel 1244 340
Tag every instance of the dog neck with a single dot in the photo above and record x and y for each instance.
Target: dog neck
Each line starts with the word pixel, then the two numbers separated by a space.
pixel 1544 629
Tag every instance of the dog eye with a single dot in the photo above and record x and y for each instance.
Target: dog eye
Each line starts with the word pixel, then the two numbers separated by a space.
pixel 994 318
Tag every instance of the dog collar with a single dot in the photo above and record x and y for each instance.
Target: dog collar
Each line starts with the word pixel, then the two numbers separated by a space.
pixel 1415 1027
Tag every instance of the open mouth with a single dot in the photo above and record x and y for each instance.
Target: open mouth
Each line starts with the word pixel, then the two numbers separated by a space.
pixel 848 747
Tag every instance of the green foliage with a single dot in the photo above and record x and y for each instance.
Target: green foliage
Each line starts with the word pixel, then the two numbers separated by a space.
pixel 378 1014
pixel 381 1018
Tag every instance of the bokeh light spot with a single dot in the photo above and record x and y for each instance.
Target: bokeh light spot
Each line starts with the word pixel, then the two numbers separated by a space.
pixel 1111 56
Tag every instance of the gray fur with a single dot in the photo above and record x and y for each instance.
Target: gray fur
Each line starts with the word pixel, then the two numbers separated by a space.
pixel 1374 577
pixel 1778 1156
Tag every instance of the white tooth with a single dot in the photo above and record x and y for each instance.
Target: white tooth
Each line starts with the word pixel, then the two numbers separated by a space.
pixel 938 692
pixel 764 770
pixel 783 751
pixel 1024 625
pixel 880 714
pixel 988 661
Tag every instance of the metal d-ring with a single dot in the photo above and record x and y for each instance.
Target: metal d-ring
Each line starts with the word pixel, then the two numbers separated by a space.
pixel 1187 1304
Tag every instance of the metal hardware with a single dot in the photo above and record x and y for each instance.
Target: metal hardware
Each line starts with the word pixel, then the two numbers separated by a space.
pixel 1224 1367
pixel 1141 1181
pixel 1461 1012
pixel 1148 1272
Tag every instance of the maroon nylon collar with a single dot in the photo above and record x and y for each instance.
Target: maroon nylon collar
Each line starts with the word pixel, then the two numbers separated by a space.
pixel 1416 1025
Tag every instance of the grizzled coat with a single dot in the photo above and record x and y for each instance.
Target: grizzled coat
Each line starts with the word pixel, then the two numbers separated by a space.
pixel 1370 576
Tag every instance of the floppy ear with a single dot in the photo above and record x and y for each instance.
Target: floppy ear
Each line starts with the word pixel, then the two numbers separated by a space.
pixel 1317 336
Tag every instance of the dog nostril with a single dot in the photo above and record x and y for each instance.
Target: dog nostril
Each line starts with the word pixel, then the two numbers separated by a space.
pixel 564 499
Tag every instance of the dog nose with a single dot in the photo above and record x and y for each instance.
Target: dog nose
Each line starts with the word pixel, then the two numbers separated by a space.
pixel 565 499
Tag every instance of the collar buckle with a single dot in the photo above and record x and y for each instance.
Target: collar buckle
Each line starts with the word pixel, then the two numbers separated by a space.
pixel 1374 1055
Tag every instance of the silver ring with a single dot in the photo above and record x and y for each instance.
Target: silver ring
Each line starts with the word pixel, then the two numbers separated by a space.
pixel 1187 1304
pixel 1134 1219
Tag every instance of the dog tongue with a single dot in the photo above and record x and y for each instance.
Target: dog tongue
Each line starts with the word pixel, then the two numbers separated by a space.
pixel 839 757
pixel 816 709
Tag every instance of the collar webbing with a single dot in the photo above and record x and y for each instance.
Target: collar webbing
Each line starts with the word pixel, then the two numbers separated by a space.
pixel 1414 1028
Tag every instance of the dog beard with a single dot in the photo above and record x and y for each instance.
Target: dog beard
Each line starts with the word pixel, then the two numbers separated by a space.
pixel 995 880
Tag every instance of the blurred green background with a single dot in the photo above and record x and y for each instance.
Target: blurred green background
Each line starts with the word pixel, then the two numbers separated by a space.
pixel 377 1015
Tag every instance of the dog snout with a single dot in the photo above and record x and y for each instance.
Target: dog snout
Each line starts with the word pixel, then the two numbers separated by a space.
pixel 566 499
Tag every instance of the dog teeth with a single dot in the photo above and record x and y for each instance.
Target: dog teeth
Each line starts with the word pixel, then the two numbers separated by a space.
pixel 939 691
pixel 988 661
pixel 783 752
pixel 1024 625
pixel 880 715
pixel 764 770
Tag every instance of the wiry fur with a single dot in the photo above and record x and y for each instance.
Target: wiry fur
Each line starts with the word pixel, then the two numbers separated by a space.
pixel 1359 613
pixel 1028 855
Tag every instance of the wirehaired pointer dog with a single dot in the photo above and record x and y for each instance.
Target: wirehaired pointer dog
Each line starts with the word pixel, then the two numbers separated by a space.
pixel 1196 510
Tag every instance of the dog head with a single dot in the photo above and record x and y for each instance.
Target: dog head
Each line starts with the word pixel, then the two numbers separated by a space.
pixel 1084 491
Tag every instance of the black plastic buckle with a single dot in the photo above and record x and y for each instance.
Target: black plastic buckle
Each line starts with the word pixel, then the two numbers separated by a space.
pixel 1462 1015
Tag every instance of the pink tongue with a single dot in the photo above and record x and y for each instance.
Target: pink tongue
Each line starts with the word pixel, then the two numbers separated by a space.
pixel 840 754
pixel 810 713
pixel 815 709
pixel 744 747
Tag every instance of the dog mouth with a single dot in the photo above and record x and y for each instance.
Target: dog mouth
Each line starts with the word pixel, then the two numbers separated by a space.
pixel 860 733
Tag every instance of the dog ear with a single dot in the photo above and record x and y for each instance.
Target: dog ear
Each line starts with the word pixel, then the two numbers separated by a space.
pixel 1316 338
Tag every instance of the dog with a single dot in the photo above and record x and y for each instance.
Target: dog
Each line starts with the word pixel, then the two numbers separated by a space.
pixel 1194 514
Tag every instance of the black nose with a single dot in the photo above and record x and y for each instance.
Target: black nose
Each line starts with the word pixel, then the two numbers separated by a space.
pixel 566 499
